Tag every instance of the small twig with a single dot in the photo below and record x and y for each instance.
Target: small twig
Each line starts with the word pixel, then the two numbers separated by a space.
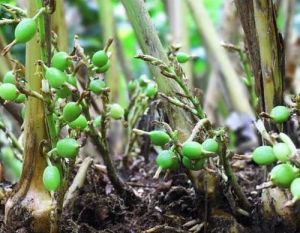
pixel 232 47
pixel 9 21
pixel 181 95
pixel 263 132
pixel 13 139
pixel 29 92
pixel 165 125
pixel 13 9
pixel 26 91
pixel 178 103
pixel 197 227
pixel 83 95
pixel 133 184
pixel 78 181
pixel 191 223
pixel 233 180
pixel 157 173
pixel 242 157
pixel 290 203
pixel 242 212
pixel 265 185
pixel 159 228
pixel 108 44
pixel 197 128
pixel 100 168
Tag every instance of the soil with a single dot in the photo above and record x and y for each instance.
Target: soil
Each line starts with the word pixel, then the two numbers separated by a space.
pixel 169 204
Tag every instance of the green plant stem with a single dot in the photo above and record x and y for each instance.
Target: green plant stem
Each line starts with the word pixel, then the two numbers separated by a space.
pixel 270 57
pixel 135 98
pixel 45 57
pixel 150 44
pixel 266 51
pixel 178 103
pixel 232 179
pixel 178 76
pixel 206 29
pixel 194 100
pixel 250 80
pixel 31 196
pixel 99 140
pixel 133 117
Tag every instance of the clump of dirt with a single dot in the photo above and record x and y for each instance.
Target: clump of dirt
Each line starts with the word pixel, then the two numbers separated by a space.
pixel 166 205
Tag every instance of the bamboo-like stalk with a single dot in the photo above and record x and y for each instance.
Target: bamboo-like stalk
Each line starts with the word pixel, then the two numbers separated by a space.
pixel 114 78
pixel 151 45
pixel 31 199
pixel 246 15
pixel 271 50
pixel 58 25
pixel 265 50
pixel 177 11
pixel 206 29
pixel 228 33
pixel 123 61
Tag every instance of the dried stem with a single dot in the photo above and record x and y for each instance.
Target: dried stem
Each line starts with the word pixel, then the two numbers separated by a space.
pixel 232 178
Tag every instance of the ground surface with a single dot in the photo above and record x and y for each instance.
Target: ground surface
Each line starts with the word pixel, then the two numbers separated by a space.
pixel 167 205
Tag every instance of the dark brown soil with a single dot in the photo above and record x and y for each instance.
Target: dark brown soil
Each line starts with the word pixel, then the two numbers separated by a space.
pixel 167 205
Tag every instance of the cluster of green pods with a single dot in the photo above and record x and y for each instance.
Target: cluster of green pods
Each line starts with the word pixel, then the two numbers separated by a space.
pixel 192 156
pixel 284 174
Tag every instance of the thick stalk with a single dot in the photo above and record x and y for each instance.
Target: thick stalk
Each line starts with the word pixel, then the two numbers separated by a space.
pixel 265 50
pixel 58 25
pixel 151 45
pixel 31 203
pixel 271 53
pixel 206 29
